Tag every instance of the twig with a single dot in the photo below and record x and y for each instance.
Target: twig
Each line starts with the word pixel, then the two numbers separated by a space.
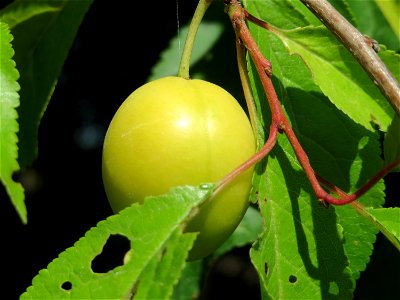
pixel 279 121
pixel 356 43
pixel 363 212
pixel 345 198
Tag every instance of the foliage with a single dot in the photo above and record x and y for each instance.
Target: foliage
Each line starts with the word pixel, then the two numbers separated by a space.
pixel 301 249
pixel 157 252
pixel 9 126
pixel 288 201
pixel 43 33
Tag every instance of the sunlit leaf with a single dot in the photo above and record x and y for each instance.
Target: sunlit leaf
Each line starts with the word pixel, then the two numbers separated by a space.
pixel 339 75
pixel 246 233
pixel 391 60
pixel 390 218
pixel 9 101
pixel 391 10
pixel 157 254
pixel 373 23
pixel 44 32
pixel 308 251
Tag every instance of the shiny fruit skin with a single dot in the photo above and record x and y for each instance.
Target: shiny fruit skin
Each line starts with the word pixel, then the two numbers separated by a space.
pixel 173 132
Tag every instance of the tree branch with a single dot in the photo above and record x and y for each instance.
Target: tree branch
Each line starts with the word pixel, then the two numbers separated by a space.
pixel 356 43
pixel 279 123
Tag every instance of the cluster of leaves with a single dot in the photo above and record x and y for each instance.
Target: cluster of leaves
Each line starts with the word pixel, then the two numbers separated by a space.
pixel 42 33
pixel 319 88
pixel 301 249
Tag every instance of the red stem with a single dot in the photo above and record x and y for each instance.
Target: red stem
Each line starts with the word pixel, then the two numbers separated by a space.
pixel 280 123
pixel 345 198
pixel 273 133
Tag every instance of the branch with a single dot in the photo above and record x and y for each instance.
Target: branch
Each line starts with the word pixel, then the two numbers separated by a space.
pixel 279 123
pixel 345 198
pixel 363 212
pixel 357 44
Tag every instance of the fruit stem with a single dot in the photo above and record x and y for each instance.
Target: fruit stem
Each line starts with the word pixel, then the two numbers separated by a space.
pixel 190 38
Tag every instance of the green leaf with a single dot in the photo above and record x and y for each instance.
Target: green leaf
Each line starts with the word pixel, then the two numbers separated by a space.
pixel 391 10
pixel 208 34
pixel 308 251
pixel 247 232
pixel 339 75
pixel 157 255
pixel 162 273
pixel 300 255
pixel 391 60
pixel 43 32
pixel 343 8
pixel 285 14
pixel 391 143
pixel 188 286
pixel 373 23
pixel 331 66
pixel 9 100
pixel 390 219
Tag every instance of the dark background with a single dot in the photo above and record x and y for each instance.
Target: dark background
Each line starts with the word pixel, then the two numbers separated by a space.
pixel 113 54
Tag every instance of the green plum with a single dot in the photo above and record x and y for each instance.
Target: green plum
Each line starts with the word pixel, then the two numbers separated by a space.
pixel 173 132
